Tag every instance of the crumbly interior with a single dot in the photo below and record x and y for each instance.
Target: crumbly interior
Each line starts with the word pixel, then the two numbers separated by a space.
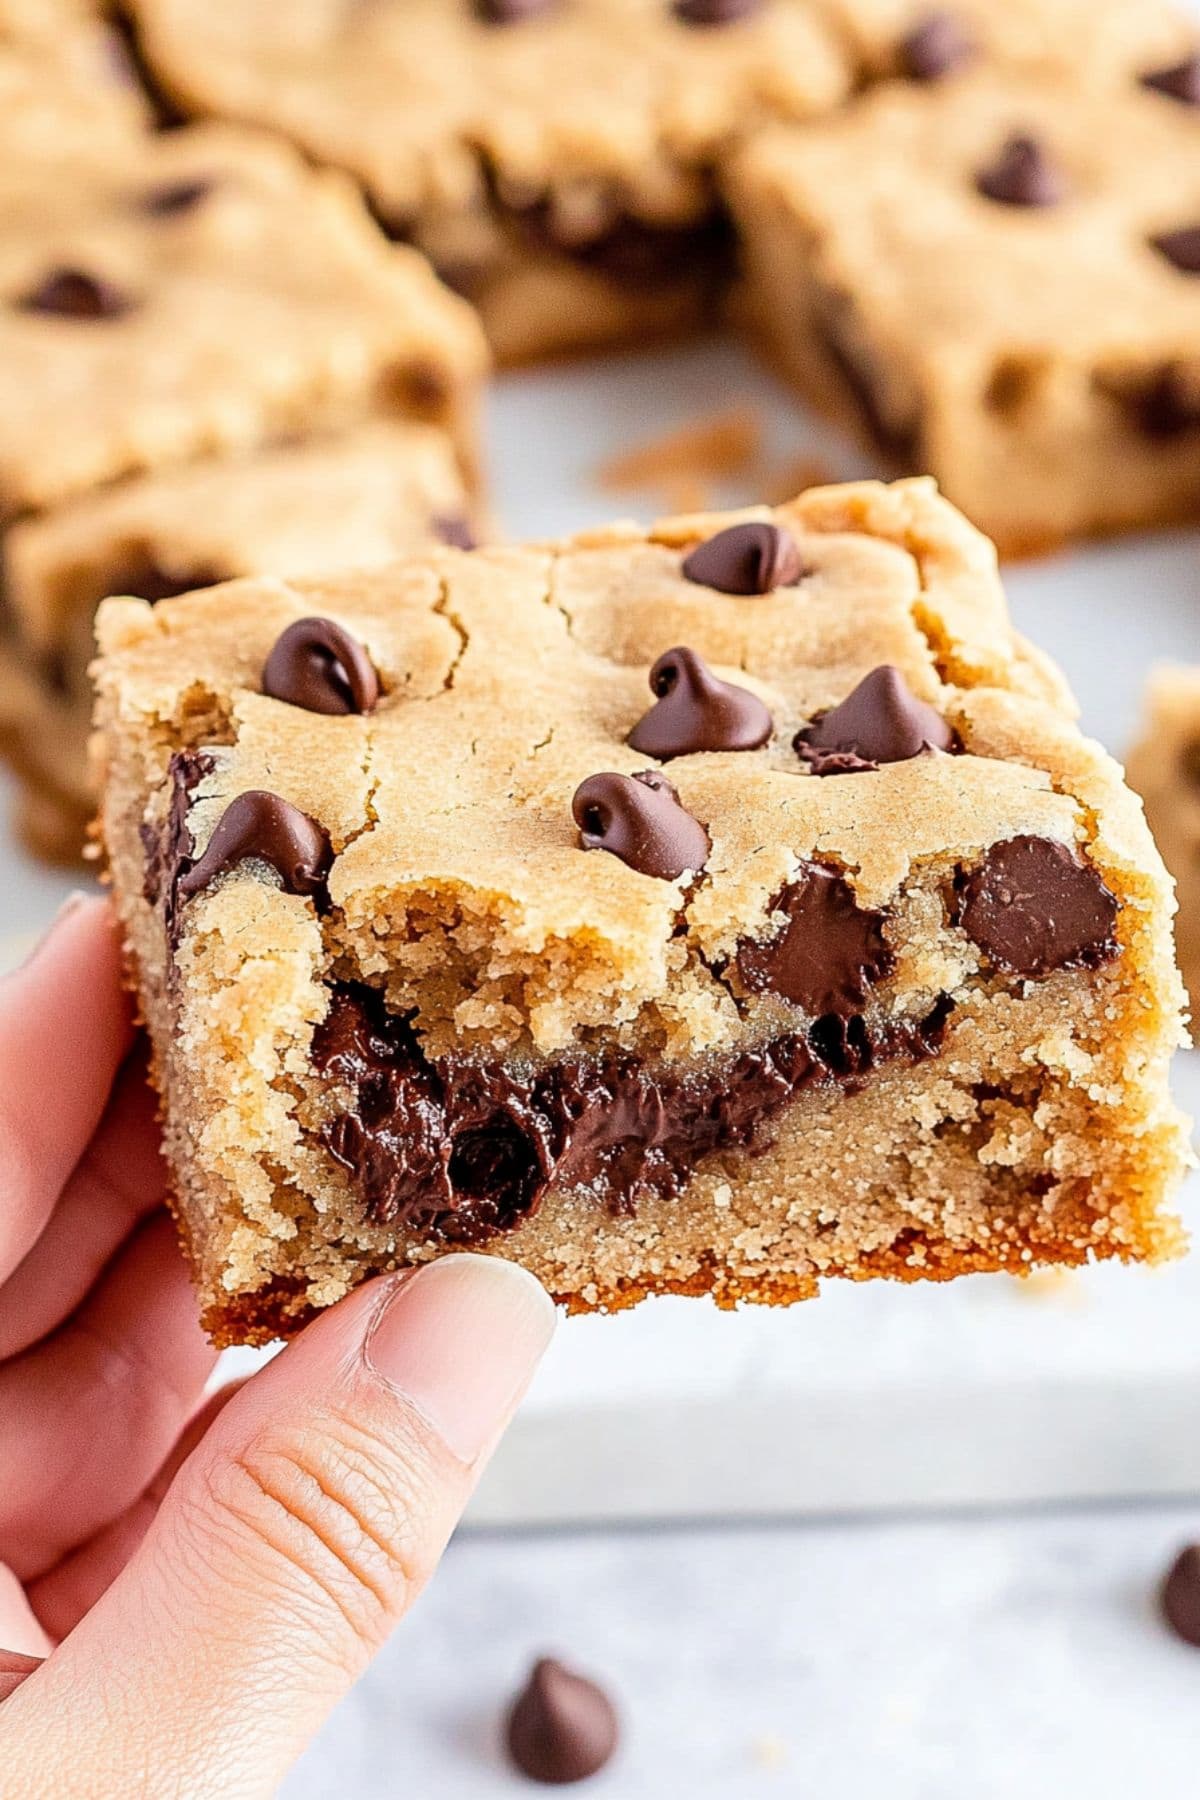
pixel 1041 1129
pixel 1164 768
pixel 1027 356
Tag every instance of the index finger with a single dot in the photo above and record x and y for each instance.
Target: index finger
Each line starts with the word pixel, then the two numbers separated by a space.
pixel 65 1027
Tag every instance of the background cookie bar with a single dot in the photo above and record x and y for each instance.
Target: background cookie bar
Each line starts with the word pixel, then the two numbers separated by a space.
pixel 998 278
pixel 72 83
pixel 357 497
pixel 554 159
pixel 920 40
pixel 712 908
pixel 201 292
pixel 1164 768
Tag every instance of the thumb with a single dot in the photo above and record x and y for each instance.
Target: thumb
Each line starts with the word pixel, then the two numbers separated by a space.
pixel 290 1543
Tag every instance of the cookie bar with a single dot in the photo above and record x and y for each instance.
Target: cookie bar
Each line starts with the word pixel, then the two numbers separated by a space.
pixel 711 908
pixel 361 496
pixel 928 40
pixel 69 84
pixel 553 157
pixel 1164 768
pixel 204 292
pixel 998 278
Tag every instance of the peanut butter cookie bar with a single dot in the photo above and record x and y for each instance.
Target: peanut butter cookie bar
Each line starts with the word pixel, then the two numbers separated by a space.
pixel 713 908
pixel 998 277
pixel 356 497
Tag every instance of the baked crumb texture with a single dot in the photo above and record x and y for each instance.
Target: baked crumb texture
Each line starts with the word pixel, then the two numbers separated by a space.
pixel 881 1008
pixel 997 276
pixel 215 366
pixel 1164 768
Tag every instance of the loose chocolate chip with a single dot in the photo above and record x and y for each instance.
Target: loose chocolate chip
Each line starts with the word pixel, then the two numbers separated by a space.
pixel 316 664
pixel 746 559
pixel 936 46
pixel 1032 906
pixel 74 294
pixel 715 12
pixel 1181 248
pixel 1179 1596
pixel 696 711
pixel 1023 175
pixel 511 12
pixel 640 819
pixel 829 953
pixel 881 721
pixel 455 531
pixel 175 197
pixel 1181 81
pixel 562 1727
pixel 260 826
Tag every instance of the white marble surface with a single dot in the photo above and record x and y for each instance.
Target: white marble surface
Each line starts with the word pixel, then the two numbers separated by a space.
pixel 995 1658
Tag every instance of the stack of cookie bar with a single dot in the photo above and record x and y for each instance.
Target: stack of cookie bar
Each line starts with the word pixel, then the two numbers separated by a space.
pixel 214 364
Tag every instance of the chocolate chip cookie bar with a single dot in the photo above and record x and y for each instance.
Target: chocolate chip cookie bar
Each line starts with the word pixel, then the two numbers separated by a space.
pixel 554 157
pixel 713 908
pixel 998 278
pixel 1164 768
pixel 203 292
pixel 64 78
pixel 359 496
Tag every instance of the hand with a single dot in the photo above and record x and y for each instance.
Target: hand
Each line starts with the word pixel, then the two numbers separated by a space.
pixel 188 1587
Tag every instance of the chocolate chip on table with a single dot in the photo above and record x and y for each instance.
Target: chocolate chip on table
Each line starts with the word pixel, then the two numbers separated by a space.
pixel 175 197
pixel 318 665
pixel 266 828
pixel 640 819
pixel 696 711
pixel 562 1727
pixel 937 45
pixel 454 531
pixel 881 721
pixel 1032 906
pixel 714 12
pixel 829 953
pixel 754 558
pixel 1181 81
pixel 511 12
pixel 1179 1596
pixel 1024 174
pixel 1181 248
pixel 74 294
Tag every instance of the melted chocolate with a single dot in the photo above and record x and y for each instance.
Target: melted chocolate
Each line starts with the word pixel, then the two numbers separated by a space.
pixel 169 848
pixel 461 1148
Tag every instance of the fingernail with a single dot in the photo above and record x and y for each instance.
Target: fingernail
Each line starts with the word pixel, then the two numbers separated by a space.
pixel 70 906
pixel 460 1340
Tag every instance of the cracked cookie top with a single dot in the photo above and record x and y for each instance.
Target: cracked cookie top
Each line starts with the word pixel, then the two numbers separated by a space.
pixel 440 796
pixel 200 291
pixel 423 101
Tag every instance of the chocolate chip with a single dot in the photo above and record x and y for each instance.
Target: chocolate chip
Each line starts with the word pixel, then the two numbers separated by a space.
pixel 174 197
pixel 696 711
pixel 881 721
pixel 1181 81
pixel 562 1727
pixel 1179 1596
pixel 1023 175
pixel 316 664
pixel 74 294
pixel 1181 248
pixel 511 12
pixel 936 46
pixel 715 12
pixel 260 826
pixel 1032 906
pixel 455 531
pixel 640 819
pixel 746 559
pixel 829 953
pixel 1166 406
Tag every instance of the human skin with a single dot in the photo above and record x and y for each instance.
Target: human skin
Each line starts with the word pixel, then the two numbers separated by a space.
pixel 188 1585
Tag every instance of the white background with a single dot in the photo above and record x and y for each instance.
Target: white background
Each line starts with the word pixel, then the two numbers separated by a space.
pixel 969 1655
